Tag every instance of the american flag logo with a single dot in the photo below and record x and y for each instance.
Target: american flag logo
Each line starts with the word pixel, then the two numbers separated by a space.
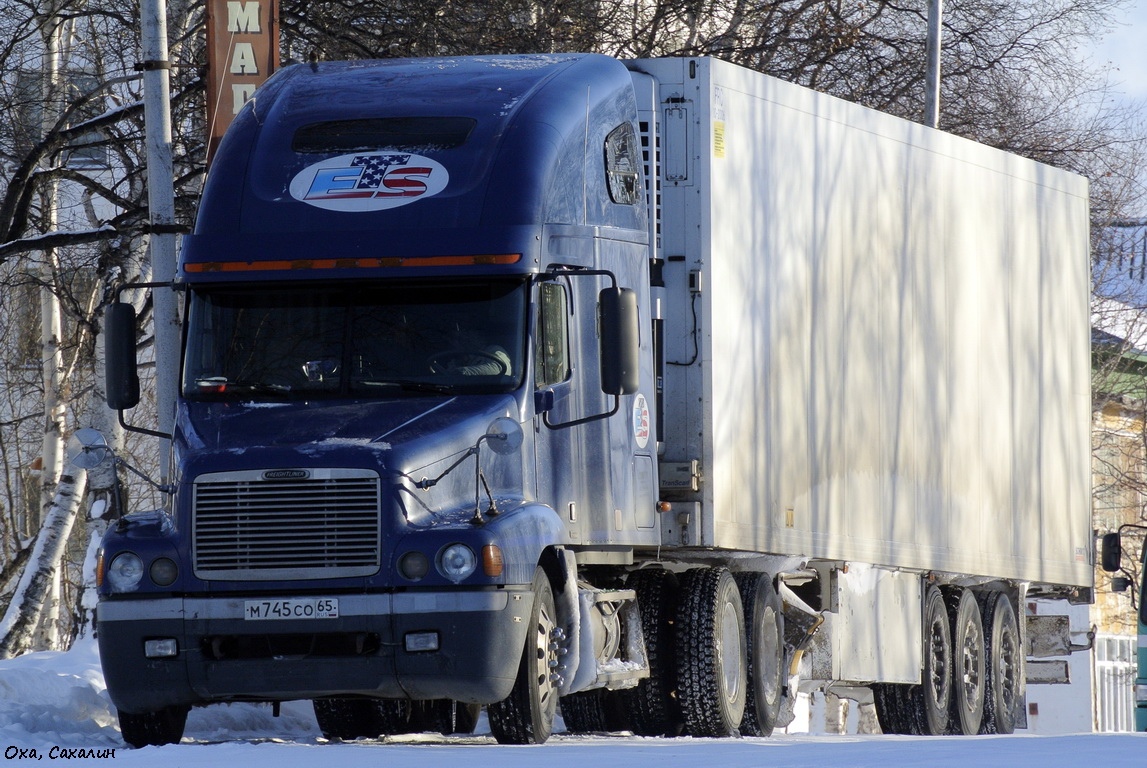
pixel 369 181
pixel 375 168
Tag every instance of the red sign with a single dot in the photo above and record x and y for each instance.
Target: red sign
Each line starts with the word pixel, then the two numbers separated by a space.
pixel 242 52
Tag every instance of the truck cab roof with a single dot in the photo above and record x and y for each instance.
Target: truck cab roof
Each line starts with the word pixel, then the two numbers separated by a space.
pixel 407 158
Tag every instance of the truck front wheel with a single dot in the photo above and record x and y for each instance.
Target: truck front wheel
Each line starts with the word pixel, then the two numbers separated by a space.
pixel 526 716
pixel 153 729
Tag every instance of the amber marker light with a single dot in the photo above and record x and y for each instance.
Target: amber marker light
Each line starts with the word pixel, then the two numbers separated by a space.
pixel 389 262
pixel 100 568
pixel 492 560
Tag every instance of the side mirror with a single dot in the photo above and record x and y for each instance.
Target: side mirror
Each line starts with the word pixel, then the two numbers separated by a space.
pixel 1110 552
pixel 121 380
pixel 620 341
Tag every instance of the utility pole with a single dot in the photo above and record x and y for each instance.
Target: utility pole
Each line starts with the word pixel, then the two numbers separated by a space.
pixel 161 208
pixel 932 71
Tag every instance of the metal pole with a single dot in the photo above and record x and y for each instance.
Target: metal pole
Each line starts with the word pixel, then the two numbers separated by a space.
pixel 932 71
pixel 161 207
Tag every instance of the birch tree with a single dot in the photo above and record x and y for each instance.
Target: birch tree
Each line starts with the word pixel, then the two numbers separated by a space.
pixel 72 178
pixel 72 229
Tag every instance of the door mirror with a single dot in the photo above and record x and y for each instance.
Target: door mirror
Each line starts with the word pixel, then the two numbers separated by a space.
pixel 620 340
pixel 121 379
pixel 1110 552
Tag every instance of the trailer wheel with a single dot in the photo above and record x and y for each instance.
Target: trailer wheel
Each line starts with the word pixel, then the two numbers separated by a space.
pixel 968 650
pixel 933 697
pixel 153 729
pixel 765 635
pixel 1003 664
pixel 652 705
pixel 711 657
pixel 526 716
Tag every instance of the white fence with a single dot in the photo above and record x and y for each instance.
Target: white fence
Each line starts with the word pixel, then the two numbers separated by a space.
pixel 1115 662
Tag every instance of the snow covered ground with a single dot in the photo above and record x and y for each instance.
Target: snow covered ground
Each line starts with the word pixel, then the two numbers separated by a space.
pixel 53 706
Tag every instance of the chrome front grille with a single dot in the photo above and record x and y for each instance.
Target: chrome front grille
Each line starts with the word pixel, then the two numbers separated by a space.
pixel 286 524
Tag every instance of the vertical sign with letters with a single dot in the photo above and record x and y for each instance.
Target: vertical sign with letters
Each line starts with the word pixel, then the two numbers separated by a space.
pixel 242 52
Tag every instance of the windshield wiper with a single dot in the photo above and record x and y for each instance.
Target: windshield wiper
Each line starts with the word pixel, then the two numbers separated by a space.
pixel 410 385
pixel 220 385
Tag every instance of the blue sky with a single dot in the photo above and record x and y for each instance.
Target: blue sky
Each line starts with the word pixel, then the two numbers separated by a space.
pixel 1126 50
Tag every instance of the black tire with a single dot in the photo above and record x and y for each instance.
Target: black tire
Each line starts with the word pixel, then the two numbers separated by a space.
pixel 526 716
pixel 153 729
pixel 433 716
pixel 968 679
pixel 765 635
pixel 932 699
pixel 584 712
pixel 651 706
pixel 1004 675
pixel 347 718
pixel 466 717
pixel 893 708
pixel 711 658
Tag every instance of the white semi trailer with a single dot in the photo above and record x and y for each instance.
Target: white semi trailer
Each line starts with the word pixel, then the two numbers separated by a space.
pixel 778 393
pixel 877 375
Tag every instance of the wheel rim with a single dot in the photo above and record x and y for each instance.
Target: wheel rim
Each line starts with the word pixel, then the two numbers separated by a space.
pixel 546 658
pixel 973 664
pixel 1008 668
pixel 770 647
pixel 730 651
pixel 938 669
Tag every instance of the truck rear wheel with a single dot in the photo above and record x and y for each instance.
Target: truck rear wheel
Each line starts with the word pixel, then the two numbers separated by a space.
pixel 652 704
pixel 585 712
pixel 153 729
pixel 765 635
pixel 526 716
pixel 893 708
pixel 711 658
pixel 1003 664
pixel 968 662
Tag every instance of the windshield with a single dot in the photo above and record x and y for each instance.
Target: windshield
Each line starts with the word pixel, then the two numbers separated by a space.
pixel 302 341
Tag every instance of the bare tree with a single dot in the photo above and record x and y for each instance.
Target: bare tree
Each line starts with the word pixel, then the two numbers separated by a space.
pixel 72 177
pixel 72 225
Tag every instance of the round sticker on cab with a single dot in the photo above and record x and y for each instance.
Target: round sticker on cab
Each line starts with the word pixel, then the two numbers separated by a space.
pixel 369 181
pixel 641 421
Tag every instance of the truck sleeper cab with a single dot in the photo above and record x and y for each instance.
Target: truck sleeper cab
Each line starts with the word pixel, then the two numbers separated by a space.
pixel 410 329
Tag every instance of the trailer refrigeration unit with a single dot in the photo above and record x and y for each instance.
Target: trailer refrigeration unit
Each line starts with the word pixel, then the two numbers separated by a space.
pixel 660 389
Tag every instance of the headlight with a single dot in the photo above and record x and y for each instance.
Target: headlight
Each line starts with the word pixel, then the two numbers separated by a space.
pixel 413 566
pixel 456 562
pixel 163 571
pixel 125 572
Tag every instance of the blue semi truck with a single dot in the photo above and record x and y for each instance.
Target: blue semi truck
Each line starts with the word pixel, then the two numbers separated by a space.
pixel 1112 561
pixel 660 391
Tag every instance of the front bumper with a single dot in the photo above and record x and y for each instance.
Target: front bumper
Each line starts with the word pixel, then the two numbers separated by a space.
pixel 221 656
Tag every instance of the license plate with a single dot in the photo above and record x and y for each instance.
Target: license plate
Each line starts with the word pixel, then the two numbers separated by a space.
pixel 292 608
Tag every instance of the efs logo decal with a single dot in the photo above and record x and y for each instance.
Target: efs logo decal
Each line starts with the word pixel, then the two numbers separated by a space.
pixel 371 181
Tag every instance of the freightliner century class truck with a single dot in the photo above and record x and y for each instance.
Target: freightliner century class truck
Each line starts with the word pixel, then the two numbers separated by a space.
pixel 658 391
